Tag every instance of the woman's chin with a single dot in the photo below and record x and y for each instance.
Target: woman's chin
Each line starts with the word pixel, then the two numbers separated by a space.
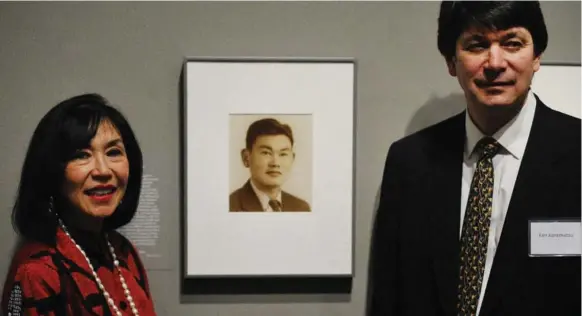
pixel 102 212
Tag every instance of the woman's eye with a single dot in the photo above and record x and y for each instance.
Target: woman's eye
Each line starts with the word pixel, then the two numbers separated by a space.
pixel 513 44
pixel 79 154
pixel 114 152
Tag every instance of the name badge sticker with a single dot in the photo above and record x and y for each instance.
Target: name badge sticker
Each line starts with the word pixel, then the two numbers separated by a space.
pixel 555 238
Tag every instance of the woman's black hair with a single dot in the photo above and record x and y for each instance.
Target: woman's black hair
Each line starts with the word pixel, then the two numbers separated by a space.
pixel 66 128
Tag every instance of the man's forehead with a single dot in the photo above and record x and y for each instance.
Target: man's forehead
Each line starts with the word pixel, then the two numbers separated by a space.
pixel 493 34
pixel 278 139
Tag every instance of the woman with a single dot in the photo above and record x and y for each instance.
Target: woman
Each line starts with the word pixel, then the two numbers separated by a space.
pixel 80 181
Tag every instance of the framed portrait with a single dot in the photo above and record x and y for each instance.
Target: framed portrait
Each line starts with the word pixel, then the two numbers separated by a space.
pixel 268 167
pixel 558 86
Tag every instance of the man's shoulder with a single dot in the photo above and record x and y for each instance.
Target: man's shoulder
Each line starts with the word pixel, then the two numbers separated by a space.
pixel 569 127
pixel 243 198
pixel 235 193
pixel 562 122
pixel 559 126
pixel 234 198
pixel 436 133
pixel 238 193
pixel 293 203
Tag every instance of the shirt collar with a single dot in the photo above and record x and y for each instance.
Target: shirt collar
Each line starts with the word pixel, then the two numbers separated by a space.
pixel 512 136
pixel 263 197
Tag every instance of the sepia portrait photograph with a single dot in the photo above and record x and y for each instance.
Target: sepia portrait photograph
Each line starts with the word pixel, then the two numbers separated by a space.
pixel 268 166
pixel 270 163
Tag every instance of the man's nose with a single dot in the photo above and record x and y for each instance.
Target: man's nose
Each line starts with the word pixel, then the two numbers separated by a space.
pixel 274 161
pixel 496 62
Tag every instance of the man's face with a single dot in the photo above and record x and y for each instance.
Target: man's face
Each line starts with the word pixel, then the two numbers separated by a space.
pixel 495 69
pixel 270 160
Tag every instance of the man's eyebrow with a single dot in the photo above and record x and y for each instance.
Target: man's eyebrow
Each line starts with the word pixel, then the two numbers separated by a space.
pixel 271 148
pixel 480 37
pixel 473 37
pixel 510 35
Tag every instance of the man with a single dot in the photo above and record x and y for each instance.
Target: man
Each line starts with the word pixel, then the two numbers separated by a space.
pixel 452 234
pixel 269 155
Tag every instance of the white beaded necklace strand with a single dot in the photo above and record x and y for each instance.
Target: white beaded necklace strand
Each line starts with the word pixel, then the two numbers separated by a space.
pixel 99 283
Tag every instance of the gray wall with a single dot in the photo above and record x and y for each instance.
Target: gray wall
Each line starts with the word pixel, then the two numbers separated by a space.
pixel 132 53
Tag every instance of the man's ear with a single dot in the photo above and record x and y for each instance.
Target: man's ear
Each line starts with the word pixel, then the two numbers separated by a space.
pixel 451 67
pixel 244 155
pixel 536 63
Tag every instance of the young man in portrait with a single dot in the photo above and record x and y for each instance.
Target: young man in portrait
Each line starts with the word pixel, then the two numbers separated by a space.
pixel 452 234
pixel 269 156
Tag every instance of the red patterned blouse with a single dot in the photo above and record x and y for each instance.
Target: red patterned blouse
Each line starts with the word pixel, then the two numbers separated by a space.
pixel 57 281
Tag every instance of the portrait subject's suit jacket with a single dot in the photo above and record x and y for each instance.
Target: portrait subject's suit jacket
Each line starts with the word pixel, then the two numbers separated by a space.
pixel 415 261
pixel 245 200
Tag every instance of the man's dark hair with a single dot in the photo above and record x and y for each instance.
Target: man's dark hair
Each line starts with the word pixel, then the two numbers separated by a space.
pixel 66 128
pixel 458 16
pixel 267 126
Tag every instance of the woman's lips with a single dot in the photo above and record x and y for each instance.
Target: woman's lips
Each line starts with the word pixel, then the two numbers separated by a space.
pixel 102 198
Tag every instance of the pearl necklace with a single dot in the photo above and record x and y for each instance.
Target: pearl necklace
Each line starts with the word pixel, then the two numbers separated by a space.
pixel 99 283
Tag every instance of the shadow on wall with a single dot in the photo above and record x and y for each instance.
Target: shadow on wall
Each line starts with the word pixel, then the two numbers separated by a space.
pixel 433 111
pixel 436 110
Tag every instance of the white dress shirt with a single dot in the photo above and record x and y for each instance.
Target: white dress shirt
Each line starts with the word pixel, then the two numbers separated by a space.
pixel 513 138
pixel 264 198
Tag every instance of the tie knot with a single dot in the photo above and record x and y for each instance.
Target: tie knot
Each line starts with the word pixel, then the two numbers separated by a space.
pixel 275 205
pixel 488 146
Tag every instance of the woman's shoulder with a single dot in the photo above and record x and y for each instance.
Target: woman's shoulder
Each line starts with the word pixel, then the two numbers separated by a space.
pixel 33 254
pixel 129 253
pixel 31 267
pixel 34 269
pixel 33 260
pixel 120 241
pixel 125 247
pixel 132 259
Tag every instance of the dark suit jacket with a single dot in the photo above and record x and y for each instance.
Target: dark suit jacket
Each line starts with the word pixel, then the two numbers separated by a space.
pixel 415 260
pixel 245 200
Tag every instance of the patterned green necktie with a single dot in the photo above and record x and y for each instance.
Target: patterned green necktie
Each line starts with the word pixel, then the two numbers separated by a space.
pixel 275 205
pixel 475 233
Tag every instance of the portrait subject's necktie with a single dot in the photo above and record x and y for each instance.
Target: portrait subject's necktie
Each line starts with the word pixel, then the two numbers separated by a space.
pixel 275 205
pixel 475 232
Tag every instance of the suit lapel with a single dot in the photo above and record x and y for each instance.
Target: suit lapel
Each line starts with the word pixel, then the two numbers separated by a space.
pixel 446 157
pixel 534 168
pixel 249 199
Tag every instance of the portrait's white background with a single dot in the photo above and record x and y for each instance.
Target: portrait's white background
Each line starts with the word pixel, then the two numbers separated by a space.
pixel 558 86
pixel 300 178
